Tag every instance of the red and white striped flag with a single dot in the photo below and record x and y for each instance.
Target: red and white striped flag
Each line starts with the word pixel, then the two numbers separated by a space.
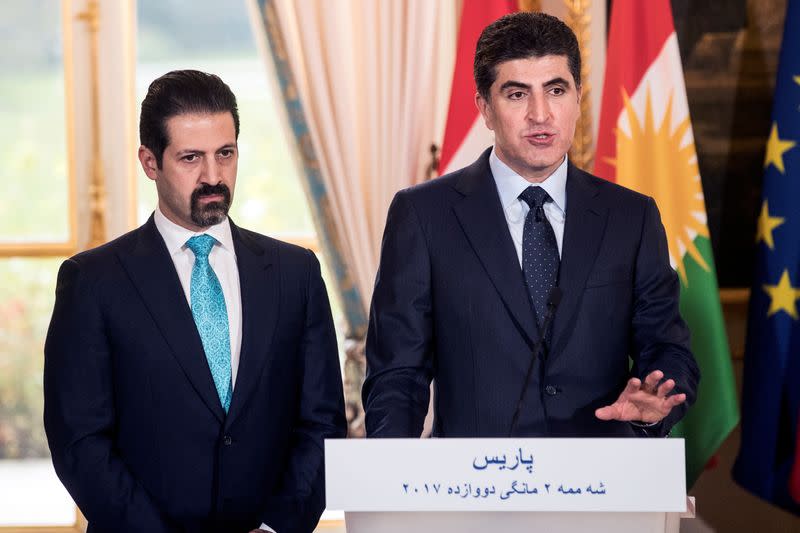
pixel 465 135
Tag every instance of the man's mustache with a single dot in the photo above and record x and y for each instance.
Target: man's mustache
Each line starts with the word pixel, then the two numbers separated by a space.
pixel 212 190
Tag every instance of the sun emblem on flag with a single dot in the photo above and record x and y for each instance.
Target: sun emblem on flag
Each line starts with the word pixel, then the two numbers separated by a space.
pixel 658 160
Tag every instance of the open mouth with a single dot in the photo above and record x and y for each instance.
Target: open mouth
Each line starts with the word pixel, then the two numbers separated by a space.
pixel 540 138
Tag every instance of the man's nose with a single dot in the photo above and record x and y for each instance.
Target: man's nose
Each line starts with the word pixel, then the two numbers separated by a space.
pixel 538 109
pixel 212 171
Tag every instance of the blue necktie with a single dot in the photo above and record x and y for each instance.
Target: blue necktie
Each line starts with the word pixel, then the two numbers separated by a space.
pixel 211 316
pixel 540 258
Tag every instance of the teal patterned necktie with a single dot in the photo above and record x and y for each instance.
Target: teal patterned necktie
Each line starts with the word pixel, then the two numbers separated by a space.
pixel 211 316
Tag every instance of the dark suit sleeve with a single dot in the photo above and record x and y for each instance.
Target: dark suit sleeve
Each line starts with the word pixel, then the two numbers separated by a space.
pixel 399 340
pixel 79 412
pixel 660 336
pixel 321 416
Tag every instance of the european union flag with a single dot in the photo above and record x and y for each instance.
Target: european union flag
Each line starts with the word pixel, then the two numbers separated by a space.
pixel 769 460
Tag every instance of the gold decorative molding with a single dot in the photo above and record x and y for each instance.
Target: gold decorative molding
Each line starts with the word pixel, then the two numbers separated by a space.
pixel 79 527
pixel 97 185
pixel 579 19
pixel 37 249
pixel 132 128
pixel 529 5
pixel 332 526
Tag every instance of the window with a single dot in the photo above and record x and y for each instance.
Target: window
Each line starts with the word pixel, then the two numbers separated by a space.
pixel 37 229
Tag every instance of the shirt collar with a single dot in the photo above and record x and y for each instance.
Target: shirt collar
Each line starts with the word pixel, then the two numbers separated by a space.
pixel 510 184
pixel 175 236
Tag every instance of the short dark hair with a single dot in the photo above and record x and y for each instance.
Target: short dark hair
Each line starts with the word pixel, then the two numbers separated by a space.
pixel 177 93
pixel 520 36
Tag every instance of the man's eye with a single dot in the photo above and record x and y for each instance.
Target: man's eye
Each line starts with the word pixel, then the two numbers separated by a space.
pixel 558 91
pixel 190 158
pixel 516 95
pixel 226 153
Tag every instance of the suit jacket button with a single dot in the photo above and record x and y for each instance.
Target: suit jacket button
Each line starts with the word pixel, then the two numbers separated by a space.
pixel 227 440
pixel 550 390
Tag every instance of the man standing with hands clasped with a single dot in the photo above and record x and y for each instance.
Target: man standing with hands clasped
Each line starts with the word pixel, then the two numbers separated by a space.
pixel 191 369
pixel 539 298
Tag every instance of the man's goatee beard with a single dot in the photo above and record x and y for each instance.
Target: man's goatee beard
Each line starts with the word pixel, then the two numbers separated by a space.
pixel 211 213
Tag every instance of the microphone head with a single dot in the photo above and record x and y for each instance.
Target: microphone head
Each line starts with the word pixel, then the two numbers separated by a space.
pixel 555 297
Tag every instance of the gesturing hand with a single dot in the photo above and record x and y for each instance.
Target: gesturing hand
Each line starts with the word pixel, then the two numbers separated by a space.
pixel 643 402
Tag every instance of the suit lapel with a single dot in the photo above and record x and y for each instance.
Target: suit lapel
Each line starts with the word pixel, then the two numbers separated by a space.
pixel 481 217
pixel 583 234
pixel 153 273
pixel 260 290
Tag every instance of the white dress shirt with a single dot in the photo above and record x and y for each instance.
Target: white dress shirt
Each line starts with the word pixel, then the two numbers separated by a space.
pixel 510 185
pixel 222 259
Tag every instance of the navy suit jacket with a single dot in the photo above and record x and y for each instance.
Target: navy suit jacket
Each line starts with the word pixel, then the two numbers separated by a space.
pixel 136 429
pixel 450 304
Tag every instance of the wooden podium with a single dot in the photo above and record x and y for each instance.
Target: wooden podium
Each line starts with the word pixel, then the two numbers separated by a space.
pixel 515 485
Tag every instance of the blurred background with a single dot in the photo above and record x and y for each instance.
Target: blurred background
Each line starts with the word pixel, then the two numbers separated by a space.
pixel 342 104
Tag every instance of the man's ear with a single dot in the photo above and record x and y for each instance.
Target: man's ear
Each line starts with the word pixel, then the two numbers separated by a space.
pixel 486 110
pixel 149 163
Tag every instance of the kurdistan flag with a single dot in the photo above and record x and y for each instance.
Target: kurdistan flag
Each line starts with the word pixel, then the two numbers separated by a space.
pixel 645 143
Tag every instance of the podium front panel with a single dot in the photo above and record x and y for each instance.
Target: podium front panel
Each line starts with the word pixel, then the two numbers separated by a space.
pixel 480 475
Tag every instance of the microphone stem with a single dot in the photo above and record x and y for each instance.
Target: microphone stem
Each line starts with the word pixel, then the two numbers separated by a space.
pixel 548 317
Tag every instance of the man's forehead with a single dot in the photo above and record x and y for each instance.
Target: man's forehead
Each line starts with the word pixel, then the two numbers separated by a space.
pixel 543 67
pixel 214 128
pixel 200 118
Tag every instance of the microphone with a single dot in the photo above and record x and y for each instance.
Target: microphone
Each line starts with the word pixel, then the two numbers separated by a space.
pixel 552 303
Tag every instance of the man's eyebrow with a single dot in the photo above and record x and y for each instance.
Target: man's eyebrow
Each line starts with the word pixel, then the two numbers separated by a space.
pixel 511 84
pixel 557 81
pixel 187 151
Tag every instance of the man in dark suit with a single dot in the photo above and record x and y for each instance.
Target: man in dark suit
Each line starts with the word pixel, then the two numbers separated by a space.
pixel 470 261
pixel 191 369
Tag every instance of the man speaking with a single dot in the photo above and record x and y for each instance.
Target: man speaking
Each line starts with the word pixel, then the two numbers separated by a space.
pixel 191 370
pixel 539 298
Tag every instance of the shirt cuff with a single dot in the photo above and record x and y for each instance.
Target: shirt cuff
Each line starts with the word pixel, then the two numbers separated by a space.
pixel 265 527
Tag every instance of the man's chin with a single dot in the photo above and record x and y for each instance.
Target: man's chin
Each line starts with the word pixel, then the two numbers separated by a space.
pixel 210 214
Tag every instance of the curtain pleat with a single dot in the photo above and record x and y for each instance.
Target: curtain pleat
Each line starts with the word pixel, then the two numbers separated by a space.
pixel 371 80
